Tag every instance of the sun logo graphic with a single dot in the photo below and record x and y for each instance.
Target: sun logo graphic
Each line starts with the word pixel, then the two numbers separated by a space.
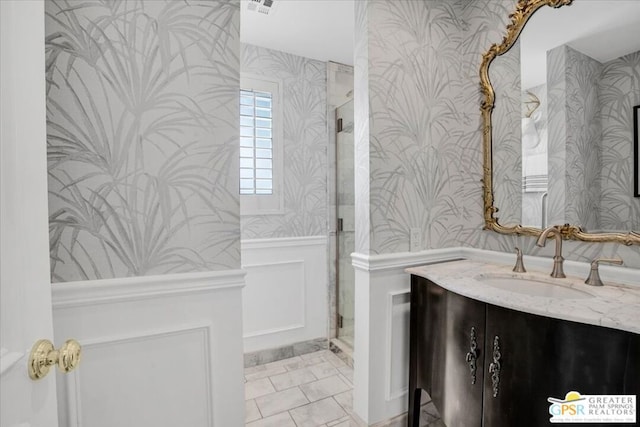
pixel 582 408
pixel 570 406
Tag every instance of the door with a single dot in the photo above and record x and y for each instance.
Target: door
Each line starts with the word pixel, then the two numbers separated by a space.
pixel 447 351
pixel 25 291
pixel 541 357
pixel 345 204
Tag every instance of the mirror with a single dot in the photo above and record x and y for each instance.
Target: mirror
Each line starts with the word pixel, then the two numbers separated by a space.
pixel 558 137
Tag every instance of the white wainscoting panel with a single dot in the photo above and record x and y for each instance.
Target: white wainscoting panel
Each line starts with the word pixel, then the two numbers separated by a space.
pixel 285 297
pixel 168 355
pixel 381 345
pixel 397 374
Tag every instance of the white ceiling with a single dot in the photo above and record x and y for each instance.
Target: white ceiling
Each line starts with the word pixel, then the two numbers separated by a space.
pixel 318 29
pixel 323 30
pixel 601 29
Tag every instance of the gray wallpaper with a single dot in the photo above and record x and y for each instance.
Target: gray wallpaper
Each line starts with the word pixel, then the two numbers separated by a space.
pixel 422 122
pixel 574 190
pixel 413 51
pixel 304 89
pixel 619 92
pixel 142 137
pixel 507 132
pixel 557 148
pixel 363 224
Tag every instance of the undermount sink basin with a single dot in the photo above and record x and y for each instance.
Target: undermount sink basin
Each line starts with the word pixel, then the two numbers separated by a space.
pixel 533 287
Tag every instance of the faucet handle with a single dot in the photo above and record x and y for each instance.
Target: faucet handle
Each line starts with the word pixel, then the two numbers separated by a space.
pixel 519 267
pixel 594 274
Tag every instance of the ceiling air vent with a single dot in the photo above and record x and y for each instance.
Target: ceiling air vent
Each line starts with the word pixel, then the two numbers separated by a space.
pixel 261 6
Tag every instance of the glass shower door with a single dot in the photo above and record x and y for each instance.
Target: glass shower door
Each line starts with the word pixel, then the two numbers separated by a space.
pixel 345 204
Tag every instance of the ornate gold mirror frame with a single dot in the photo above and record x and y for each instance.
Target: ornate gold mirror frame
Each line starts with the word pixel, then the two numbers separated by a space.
pixel 524 10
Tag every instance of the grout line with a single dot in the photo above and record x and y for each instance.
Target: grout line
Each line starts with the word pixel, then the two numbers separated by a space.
pixel 291 416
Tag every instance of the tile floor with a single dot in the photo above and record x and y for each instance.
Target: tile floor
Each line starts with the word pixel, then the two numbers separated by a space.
pixel 312 390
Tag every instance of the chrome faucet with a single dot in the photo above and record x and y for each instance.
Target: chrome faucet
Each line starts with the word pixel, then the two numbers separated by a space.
pixel 558 270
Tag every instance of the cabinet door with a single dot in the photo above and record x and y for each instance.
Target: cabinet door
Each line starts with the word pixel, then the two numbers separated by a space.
pixel 442 360
pixel 542 357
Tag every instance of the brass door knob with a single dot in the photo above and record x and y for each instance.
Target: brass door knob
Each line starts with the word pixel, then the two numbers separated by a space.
pixel 44 355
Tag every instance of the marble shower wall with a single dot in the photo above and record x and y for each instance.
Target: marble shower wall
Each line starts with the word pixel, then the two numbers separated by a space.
pixel 418 108
pixel 619 93
pixel 304 89
pixel 142 117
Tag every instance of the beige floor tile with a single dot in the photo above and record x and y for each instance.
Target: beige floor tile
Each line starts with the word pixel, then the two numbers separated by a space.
pixel 251 412
pixel 281 401
pixel 293 378
pixel 315 354
pixel 280 420
pixel 250 374
pixel 325 387
pixel 334 360
pixel 304 363
pixel 347 372
pixel 257 388
pixel 345 400
pixel 283 362
pixel 323 370
pixel 317 413
pixel 340 422
pixel 428 414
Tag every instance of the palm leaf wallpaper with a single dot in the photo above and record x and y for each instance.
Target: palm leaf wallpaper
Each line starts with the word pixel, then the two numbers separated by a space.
pixel 143 134
pixel 418 135
pixel 619 92
pixel 362 208
pixel 574 149
pixel 413 71
pixel 305 163
pixel 142 130
pixel 507 136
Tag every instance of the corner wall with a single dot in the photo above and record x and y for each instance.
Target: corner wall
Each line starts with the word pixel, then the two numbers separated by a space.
pixel 142 137
pixel 304 89
pixel 286 300
pixel 142 134
pixel 419 164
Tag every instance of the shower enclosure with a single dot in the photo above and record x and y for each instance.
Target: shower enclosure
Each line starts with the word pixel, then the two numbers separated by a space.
pixel 345 230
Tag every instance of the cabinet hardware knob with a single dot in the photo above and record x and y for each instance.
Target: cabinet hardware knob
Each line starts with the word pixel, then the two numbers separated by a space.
pixel 494 367
pixel 472 355
pixel 44 355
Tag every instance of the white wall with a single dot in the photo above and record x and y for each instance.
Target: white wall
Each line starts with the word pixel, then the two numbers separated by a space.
pixel 285 298
pixel 156 350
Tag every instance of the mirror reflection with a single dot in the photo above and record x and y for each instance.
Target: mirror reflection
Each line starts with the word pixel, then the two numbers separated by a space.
pixel 563 126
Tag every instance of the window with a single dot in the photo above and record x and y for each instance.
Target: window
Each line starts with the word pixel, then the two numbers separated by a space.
pixel 260 146
pixel 256 142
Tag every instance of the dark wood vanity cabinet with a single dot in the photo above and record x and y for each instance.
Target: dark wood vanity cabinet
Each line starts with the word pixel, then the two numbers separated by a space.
pixel 539 357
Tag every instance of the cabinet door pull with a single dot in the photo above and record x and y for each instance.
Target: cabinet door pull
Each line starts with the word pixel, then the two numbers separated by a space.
pixel 494 367
pixel 472 355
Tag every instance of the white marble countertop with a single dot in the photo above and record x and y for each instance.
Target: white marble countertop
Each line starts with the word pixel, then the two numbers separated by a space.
pixel 613 306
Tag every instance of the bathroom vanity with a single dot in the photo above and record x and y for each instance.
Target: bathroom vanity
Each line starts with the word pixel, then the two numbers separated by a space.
pixel 491 346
